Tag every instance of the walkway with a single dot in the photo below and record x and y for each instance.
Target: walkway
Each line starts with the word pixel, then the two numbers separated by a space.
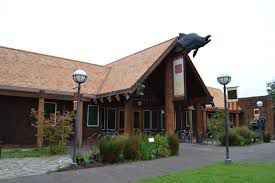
pixel 191 156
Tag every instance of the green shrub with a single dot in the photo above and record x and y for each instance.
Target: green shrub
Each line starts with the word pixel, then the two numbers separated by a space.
pixel 131 147
pixel 162 146
pixel 111 149
pixel 267 137
pixel 239 136
pixel 233 136
pixel 80 158
pixel 57 149
pixel 147 150
pixel 248 135
pixel 173 141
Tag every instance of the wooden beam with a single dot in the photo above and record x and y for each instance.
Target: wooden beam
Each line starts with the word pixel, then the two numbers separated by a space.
pixel 109 98
pixel 101 100
pixel 204 123
pixel 168 98
pixel 127 96
pixel 40 120
pixel 117 98
pixel 199 123
pixel 94 100
pixel 128 119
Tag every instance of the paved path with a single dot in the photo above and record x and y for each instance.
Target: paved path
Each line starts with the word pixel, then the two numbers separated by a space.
pixel 18 167
pixel 191 156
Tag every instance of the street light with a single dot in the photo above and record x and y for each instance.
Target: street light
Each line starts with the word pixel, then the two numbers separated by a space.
pixel 79 77
pixel 224 80
pixel 260 105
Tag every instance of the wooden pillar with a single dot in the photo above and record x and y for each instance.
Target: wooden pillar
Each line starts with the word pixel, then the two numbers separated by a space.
pixel 40 119
pixel 204 123
pixel 190 113
pixel 199 122
pixel 128 122
pixel 80 125
pixel 237 120
pixel 169 104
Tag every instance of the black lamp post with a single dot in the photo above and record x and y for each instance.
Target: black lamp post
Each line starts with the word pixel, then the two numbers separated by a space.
pixel 224 80
pixel 79 77
pixel 261 125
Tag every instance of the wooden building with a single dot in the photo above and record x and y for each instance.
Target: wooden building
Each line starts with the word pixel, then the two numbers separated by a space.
pixel 156 89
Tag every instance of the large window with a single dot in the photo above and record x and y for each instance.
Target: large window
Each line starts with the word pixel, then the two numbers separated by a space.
pixel 136 119
pixel 50 110
pixel 102 117
pixel 151 120
pixel 111 119
pixel 147 120
pixel 93 116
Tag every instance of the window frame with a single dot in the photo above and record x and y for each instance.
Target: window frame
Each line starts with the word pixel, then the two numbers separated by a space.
pixel 150 128
pixel 152 119
pixel 108 108
pixel 55 112
pixel 88 112
pixel 104 116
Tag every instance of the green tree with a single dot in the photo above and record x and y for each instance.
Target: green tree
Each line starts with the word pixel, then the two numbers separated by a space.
pixel 216 124
pixel 271 89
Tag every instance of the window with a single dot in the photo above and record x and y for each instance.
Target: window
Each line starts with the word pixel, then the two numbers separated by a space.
pixel 147 120
pixel 102 117
pixel 50 110
pixel 256 112
pixel 136 119
pixel 152 119
pixel 121 119
pixel 187 119
pixel 111 119
pixel 162 120
pixel 232 93
pixel 155 119
pixel 92 116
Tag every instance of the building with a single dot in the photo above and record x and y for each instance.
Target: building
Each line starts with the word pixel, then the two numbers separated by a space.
pixel 174 93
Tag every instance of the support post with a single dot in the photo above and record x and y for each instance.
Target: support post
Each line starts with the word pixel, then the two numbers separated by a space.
pixel 199 118
pixel 80 125
pixel 169 104
pixel 237 120
pixel 128 122
pixel 191 122
pixel 40 119
pixel 204 123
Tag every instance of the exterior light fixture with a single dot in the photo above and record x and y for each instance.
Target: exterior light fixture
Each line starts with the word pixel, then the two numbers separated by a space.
pixel 224 80
pixel 79 77
pixel 261 120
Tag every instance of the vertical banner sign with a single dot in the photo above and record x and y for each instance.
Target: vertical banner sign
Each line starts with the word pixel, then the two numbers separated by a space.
pixel 178 74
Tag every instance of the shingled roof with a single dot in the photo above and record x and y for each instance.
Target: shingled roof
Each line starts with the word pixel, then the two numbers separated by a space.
pixel 25 70
pixel 217 95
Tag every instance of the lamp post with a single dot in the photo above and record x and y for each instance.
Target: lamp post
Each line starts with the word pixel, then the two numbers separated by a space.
pixel 79 77
pixel 224 80
pixel 260 105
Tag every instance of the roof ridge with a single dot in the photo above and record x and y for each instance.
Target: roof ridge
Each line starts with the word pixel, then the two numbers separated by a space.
pixel 107 65
pixel 42 54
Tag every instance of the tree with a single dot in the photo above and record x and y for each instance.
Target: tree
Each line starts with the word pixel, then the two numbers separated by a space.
pixel 216 124
pixel 271 89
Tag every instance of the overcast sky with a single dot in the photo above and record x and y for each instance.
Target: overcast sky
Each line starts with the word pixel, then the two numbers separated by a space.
pixel 243 33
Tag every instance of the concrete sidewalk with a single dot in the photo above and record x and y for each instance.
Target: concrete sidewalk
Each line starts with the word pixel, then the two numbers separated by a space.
pixel 191 156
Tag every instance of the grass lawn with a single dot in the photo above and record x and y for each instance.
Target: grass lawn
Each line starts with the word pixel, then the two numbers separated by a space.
pixel 22 153
pixel 221 173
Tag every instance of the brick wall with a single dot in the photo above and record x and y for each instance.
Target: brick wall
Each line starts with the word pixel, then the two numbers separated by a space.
pixel 249 104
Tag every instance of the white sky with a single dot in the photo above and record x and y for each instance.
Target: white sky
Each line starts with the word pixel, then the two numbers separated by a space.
pixel 243 33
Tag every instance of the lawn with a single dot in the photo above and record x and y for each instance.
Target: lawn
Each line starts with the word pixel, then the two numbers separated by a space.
pixel 221 173
pixel 22 153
